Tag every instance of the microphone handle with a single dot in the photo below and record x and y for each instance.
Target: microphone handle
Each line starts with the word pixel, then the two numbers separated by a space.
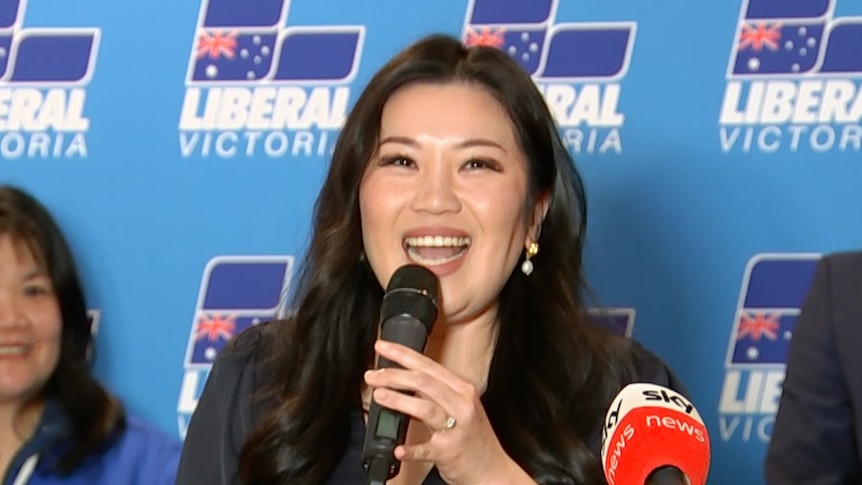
pixel 667 475
pixel 386 428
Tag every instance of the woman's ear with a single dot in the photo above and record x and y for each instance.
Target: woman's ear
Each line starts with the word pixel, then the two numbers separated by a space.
pixel 540 211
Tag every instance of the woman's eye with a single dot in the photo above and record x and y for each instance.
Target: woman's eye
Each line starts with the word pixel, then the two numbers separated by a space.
pixel 397 160
pixel 478 163
pixel 35 290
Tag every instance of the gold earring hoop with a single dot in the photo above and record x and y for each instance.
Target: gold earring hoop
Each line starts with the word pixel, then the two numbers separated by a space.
pixel 527 265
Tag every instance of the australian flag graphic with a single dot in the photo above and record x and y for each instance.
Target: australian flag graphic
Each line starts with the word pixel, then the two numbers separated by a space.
pixel 236 293
pixel 43 56
pixel 241 41
pixel 560 51
pixel 787 37
pixel 773 290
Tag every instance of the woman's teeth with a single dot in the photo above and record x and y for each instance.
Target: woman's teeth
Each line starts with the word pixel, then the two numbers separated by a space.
pixel 436 250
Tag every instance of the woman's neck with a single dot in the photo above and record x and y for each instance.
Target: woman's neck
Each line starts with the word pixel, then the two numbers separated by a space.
pixel 465 349
pixel 16 427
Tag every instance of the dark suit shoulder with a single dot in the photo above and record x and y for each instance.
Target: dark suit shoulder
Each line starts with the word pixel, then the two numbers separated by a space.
pixel 815 435
pixel 845 260
pixel 843 273
pixel 837 285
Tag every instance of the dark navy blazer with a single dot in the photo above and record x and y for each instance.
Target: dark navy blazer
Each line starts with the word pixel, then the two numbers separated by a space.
pixel 818 429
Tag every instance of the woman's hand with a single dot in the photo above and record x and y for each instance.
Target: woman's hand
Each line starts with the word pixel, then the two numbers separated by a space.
pixel 463 445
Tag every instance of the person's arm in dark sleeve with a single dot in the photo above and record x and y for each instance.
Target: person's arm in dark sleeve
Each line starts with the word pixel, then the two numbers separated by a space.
pixel 812 440
pixel 222 418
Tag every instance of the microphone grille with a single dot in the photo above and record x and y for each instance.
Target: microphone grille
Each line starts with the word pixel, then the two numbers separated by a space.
pixel 412 290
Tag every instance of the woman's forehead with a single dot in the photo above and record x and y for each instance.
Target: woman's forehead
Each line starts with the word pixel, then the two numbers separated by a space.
pixel 24 247
pixel 452 111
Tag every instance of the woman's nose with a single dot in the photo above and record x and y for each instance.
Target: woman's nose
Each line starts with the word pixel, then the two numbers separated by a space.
pixel 436 191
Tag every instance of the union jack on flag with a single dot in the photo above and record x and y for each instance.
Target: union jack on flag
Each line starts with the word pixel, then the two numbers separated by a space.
pixel 217 44
pixel 485 37
pixel 759 325
pixel 214 327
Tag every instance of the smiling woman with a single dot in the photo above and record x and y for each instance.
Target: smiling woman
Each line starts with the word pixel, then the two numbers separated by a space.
pixel 57 423
pixel 448 192
pixel 451 160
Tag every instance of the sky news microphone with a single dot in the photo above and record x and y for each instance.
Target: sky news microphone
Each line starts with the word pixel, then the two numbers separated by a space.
pixel 654 436
pixel 407 316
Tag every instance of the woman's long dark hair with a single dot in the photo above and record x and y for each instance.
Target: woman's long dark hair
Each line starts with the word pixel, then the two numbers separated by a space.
pixel 94 415
pixel 551 376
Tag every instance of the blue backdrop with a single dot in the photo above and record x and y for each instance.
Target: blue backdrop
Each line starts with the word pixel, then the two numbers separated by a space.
pixel 181 145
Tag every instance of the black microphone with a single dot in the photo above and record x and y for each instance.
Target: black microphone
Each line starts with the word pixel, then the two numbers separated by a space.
pixel 407 316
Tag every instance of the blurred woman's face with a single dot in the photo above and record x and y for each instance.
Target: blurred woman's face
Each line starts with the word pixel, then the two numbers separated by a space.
pixel 30 323
pixel 447 189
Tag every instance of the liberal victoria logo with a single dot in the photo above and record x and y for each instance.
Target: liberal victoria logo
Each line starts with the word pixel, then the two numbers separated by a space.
pixel 43 75
pixel 256 84
pixel 577 66
pixel 773 289
pixel 793 79
pixel 236 292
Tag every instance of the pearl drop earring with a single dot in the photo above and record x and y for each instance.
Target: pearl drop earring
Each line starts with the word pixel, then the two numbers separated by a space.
pixel 527 265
